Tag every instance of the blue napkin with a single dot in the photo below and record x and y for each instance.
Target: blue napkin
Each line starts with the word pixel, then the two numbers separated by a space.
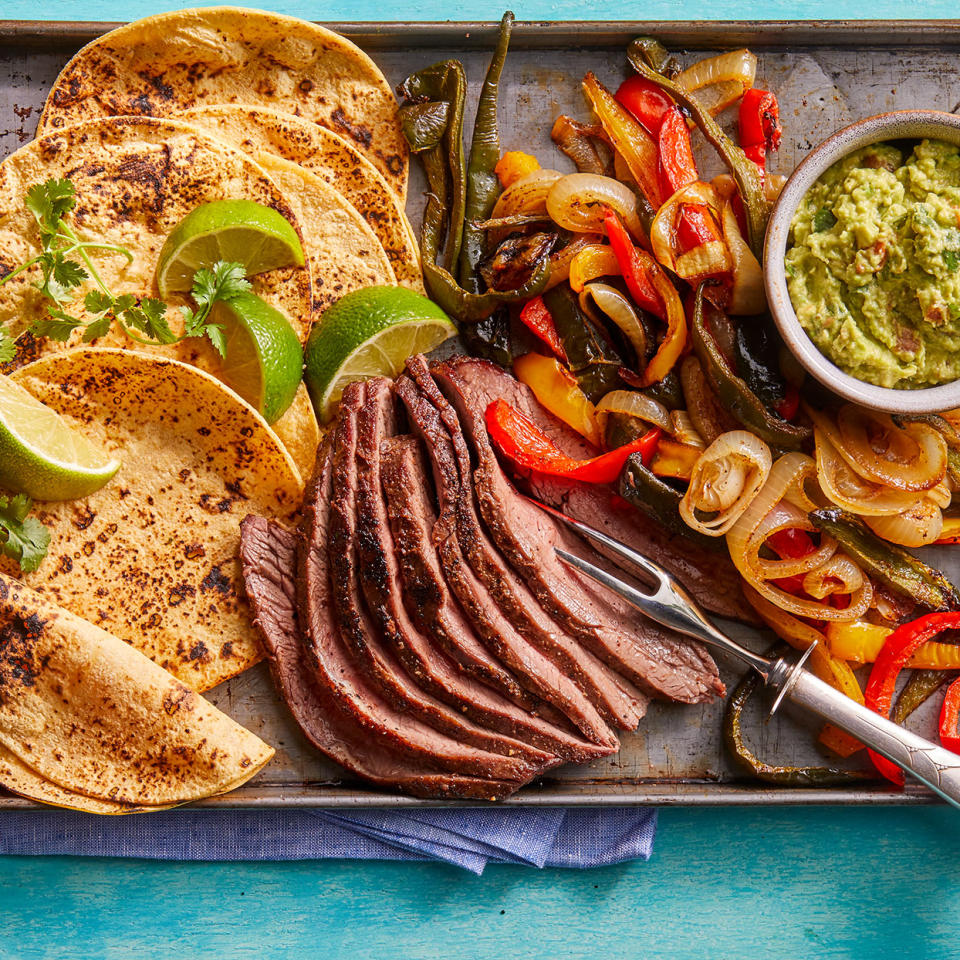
pixel 468 838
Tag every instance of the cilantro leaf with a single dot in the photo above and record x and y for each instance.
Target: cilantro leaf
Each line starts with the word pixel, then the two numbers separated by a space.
pixel 217 337
pixel 22 538
pixel 98 328
pixel 823 219
pixel 222 281
pixel 58 326
pixel 8 346
pixel 154 315
pixel 952 259
pixel 49 203
pixel 96 301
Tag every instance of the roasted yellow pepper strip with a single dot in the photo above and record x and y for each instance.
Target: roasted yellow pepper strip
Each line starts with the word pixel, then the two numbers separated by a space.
pixel 861 642
pixel 515 165
pixel 674 459
pixel 595 260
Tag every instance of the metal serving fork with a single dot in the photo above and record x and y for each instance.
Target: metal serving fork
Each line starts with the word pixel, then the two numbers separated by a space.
pixel 671 605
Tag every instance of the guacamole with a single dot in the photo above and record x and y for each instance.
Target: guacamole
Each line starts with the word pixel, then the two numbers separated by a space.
pixel 873 264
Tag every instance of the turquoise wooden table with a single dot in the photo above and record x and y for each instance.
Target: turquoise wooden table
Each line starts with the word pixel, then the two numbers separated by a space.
pixel 732 883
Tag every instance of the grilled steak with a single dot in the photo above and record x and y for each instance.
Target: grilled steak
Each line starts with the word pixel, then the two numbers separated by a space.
pixel 436 613
pixel 660 661
pixel 479 750
pixel 378 569
pixel 522 657
pixel 712 579
pixel 614 697
pixel 333 662
pixel 268 554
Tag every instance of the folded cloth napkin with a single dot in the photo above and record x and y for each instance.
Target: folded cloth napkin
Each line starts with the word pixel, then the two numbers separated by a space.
pixel 466 837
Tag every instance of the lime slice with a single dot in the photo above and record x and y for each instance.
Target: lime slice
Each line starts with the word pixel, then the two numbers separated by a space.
pixel 41 455
pixel 264 361
pixel 369 333
pixel 238 231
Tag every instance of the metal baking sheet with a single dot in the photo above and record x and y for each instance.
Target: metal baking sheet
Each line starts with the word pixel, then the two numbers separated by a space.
pixel 825 75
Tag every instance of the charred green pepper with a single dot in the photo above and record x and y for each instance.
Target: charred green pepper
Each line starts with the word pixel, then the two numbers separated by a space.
pixel 454 195
pixel 921 686
pixel 589 356
pixel 641 488
pixel 650 60
pixel 733 391
pixel 772 773
pixel 888 563
pixel 756 350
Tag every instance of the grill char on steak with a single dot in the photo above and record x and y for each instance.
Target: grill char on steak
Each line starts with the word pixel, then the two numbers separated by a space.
pixel 469 747
pixel 541 675
pixel 660 661
pixel 616 699
pixel 425 662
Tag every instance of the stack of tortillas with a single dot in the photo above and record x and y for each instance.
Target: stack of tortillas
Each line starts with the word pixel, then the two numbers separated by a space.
pixel 166 113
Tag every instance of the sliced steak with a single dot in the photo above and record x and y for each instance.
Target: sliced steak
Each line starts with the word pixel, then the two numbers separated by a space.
pixel 539 673
pixel 710 577
pixel 618 700
pixel 482 752
pixel 268 554
pixel 660 661
pixel 425 662
pixel 333 661
pixel 436 612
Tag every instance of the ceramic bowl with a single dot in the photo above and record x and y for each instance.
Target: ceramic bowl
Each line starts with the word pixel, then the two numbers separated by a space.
pixel 903 124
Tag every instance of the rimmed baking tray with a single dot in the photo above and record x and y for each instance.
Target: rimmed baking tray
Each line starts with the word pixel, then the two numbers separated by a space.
pixel 825 74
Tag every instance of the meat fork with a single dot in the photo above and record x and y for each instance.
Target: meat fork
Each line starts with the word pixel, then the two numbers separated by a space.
pixel 671 605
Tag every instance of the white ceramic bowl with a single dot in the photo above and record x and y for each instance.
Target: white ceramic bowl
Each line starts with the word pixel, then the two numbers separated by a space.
pixel 903 124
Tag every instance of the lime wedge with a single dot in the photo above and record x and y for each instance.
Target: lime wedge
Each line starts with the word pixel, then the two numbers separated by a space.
pixel 239 231
pixel 41 455
pixel 369 333
pixel 264 361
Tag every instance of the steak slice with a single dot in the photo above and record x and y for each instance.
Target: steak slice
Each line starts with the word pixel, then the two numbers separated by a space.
pixel 333 663
pixel 616 699
pixel 425 662
pixel 710 577
pixel 538 672
pixel 436 613
pixel 660 661
pixel 268 555
pixel 482 752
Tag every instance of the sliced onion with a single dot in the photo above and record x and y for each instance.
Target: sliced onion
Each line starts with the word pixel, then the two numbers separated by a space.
pixel 772 185
pixel 783 504
pixel 683 430
pixel 577 202
pixel 837 576
pixel 561 261
pixel 720 80
pixel 849 490
pixel 747 294
pixel 634 404
pixel 917 526
pixel 664 227
pixel 526 195
pixel 706 260
pixel 941 494
pixel 613 304
pixel 592 261
pixel 786 626
pixel 725 479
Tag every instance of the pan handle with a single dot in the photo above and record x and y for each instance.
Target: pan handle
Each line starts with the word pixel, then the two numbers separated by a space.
pixel 930 763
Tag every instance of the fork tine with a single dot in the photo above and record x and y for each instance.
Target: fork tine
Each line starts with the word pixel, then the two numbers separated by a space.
pixel 630 594
pixel 615 546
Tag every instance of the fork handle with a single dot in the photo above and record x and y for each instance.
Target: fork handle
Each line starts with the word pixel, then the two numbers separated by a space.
pixel 938 768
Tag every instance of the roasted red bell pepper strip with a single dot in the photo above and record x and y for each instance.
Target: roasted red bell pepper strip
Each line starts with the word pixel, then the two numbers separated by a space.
pixel 760 128
pixel 646 101
pixel 536 317
pixel 790 404
pixel 695 227
pixel 631 266
pixel 677 166
pixel 896 652
pixel 791 544
pixel 949 715
pixel 520 440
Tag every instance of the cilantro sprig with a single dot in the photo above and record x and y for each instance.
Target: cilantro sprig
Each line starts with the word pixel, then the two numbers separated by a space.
pixel 64 264
pixel 22 538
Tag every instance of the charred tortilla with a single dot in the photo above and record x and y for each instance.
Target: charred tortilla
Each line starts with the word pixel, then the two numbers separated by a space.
pixel 98 724
pixel 162 64
pixel 152 557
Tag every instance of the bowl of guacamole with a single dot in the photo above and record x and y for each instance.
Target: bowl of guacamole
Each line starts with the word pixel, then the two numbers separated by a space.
pixel 862 262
